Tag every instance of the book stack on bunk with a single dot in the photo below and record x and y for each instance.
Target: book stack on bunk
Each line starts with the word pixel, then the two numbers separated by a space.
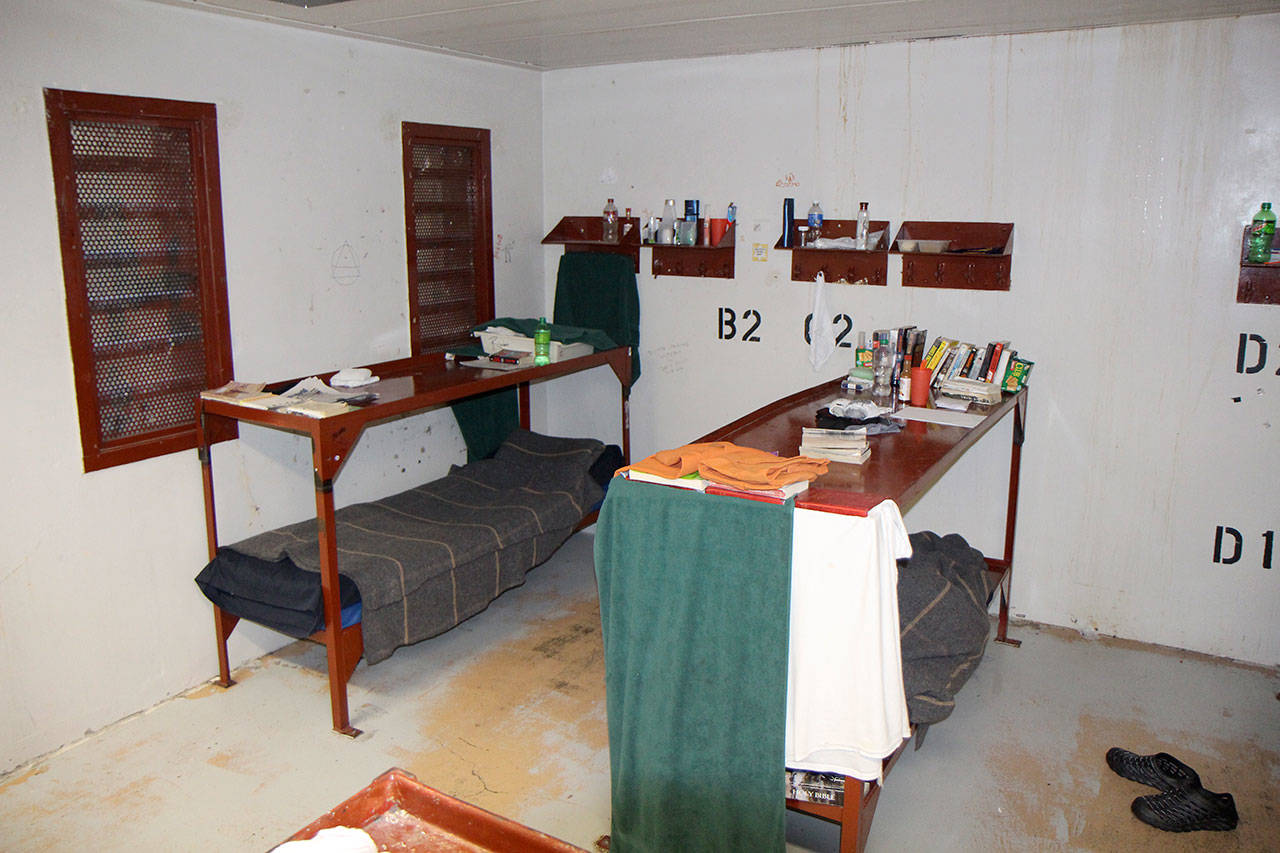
pixel 836 445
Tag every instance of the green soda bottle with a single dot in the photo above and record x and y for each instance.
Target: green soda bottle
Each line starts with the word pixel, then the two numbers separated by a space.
pixel 542 343
pixel 1261 233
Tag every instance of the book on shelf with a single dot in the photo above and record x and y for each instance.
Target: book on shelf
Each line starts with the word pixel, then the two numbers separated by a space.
pixel 236 392
pixel 994 365
pixel 970 389
pixel 487 363
pixel 780 493
pixel 994 349
pixel 511 356
pixel 811 787
pixel 313 408
pixel 839 438
pixel 1001 364
pixel 834 444
pixel 852 455
pixel 688 481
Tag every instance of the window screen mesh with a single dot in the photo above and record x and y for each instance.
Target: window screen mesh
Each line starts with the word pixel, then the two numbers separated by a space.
pixel 445 198
pixel 136 204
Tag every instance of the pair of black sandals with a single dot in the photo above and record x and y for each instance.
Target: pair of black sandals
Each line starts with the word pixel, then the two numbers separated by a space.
pixel 1183 804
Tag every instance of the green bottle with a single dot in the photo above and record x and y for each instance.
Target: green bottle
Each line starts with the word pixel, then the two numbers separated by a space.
pixel 542 343
pixel 1261 233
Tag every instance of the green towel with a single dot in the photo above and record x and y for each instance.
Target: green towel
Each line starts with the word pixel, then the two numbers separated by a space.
pixel 596 290
pixel 486 420
pixel 694 602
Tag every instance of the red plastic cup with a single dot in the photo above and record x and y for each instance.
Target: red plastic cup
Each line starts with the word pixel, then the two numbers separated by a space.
pixel 718 229
pixel 920 379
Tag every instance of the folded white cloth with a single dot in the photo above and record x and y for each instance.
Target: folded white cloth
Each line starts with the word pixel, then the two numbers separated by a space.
pixel 352 377
pixel 846 704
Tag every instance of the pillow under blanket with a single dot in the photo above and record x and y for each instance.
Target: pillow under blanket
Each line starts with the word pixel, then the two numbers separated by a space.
pixel 943 592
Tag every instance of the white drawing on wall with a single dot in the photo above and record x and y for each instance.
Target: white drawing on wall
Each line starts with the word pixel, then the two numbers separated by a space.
pixel 343 266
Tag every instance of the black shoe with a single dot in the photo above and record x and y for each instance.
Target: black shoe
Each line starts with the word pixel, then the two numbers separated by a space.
pixel 1161 770
pixel 1187 810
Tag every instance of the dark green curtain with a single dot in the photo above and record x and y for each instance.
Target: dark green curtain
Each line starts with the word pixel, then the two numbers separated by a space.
pixel 694 602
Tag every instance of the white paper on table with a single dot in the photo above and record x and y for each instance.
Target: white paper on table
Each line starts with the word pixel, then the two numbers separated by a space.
pixel 968 420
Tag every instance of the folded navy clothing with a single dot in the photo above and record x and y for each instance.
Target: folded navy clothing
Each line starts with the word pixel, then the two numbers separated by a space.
pixel 274 593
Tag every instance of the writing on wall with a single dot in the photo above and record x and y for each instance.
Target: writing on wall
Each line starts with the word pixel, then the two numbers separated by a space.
pixel 1251 354
pixel 742 327
pixel 844 321
pixel 1229 547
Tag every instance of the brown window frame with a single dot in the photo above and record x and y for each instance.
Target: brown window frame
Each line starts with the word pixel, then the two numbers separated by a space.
pixel 477 139
pixel 63 109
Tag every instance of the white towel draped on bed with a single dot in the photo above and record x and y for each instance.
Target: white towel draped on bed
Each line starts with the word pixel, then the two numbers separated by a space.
pixel 846 706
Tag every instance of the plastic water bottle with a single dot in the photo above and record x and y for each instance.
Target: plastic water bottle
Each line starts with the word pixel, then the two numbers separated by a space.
pixel 542 343
pixel 864 227
pixel 1261 233
pixel 610 222
pixel 732 213
pixel 815 221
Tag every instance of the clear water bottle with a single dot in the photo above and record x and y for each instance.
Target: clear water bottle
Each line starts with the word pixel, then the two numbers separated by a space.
pixel 732 213
pixel 864 227
pixel 815 221
pixel 1261 234
pixel 542 342
pixel 610 222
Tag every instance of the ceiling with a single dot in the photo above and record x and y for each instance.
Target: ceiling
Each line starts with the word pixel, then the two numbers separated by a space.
pixel 550 34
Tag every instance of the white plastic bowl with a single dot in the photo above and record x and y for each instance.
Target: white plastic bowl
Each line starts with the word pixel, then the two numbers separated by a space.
pixel 933 246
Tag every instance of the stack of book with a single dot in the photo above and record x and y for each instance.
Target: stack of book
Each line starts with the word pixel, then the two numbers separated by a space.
pixel 836 445
pixel 996 364
pixel 970 389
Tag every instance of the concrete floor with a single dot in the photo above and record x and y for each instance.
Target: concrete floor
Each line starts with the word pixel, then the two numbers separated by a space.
pixel 507 712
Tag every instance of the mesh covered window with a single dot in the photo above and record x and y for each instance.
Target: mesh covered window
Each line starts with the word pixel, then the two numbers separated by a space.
pixel 138 208
pixel 448 228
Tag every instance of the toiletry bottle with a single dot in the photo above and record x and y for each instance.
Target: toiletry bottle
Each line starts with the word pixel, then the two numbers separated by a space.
pixel 1261 233
pixel 864 226
pixel 542 343
pixel 815 221
pixel 610 222
pixel 862 355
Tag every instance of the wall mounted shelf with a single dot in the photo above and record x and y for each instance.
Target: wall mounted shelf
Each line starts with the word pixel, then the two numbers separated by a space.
pixel 585 234
pixel 1259 283
pixel 968 255
pixel 701 261
pixel 841 266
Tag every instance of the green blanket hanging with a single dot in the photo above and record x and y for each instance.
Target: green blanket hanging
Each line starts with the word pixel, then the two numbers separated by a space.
pixel 694 602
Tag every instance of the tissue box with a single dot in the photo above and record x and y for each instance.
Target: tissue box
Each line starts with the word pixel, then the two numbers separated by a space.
pixel 496 341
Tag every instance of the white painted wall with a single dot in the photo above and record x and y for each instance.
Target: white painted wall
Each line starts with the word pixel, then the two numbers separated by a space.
pixel 99 617
pixel 1128 158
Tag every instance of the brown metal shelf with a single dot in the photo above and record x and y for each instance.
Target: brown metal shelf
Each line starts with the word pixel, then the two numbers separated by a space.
pixel 842 266
pixel 1259 284
pixel 586 233
pixel 978 255
pixel 699 261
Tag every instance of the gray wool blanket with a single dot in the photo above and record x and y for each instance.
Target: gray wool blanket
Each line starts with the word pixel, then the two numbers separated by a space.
pixel 430 557
pixel 943 592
